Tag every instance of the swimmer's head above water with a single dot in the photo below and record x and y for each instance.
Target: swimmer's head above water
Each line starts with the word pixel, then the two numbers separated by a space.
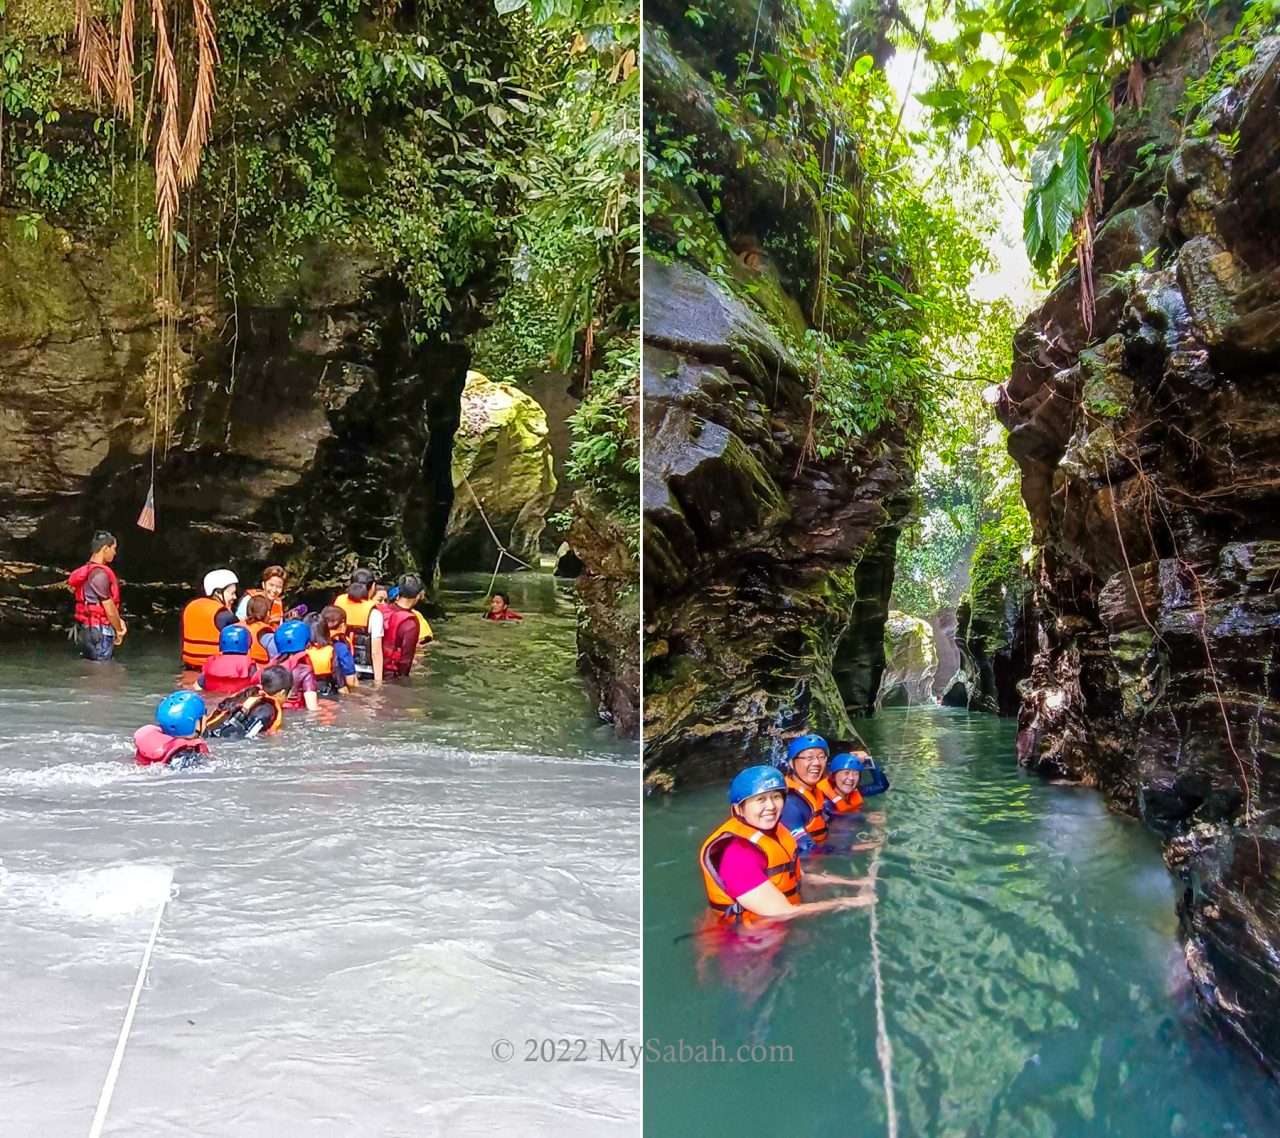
pixel 756 796
pixel 807 756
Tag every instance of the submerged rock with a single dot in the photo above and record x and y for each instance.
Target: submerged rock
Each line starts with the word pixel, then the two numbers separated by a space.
pixel 1150 458
pixel 502 465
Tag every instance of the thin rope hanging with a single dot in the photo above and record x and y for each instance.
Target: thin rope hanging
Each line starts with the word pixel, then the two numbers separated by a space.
pixel 503 551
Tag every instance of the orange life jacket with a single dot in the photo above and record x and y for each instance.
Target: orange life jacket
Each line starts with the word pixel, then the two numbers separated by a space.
pixel 839 802
pixel 276 615
pixel 242 703
pixel 816 827
pixel 783 867
pixel 91 613
pixel 151 745
pixel 199 630
pixel 357 614
pixel 257 653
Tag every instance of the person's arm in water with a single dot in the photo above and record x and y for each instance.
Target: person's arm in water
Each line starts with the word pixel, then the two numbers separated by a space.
pixel 304 679
pixel 375 656
pixel 768 900
pixel 259 719
pixel 345 665
pixel 818 878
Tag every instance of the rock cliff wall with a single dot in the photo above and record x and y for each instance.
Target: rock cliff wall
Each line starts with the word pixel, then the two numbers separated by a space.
pixel 1150 458
pixel 768 568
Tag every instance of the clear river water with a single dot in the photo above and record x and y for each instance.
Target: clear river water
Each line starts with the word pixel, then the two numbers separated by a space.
pixel 361 907
pixel 1032 983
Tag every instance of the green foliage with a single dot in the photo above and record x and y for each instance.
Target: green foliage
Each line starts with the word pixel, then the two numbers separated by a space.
pixel 1039 82
pixel 1237 51
pixel 606 453
pixel 1003 541
pixel 970 506
pixel 876 250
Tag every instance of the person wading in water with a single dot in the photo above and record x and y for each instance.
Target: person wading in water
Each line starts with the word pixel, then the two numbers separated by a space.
pixel 99 627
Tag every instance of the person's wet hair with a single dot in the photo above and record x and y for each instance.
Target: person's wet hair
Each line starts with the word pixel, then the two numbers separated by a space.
pixel 319 628
pixel 275 679
pixel 362 577
pixel 410 585
pixel 257 610
pixel 504 598
pixel 333 616
pixel 101 540
pixel 357 590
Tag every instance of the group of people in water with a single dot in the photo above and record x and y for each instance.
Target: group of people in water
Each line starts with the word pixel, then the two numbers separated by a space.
pixel 751 863
pixel 262 657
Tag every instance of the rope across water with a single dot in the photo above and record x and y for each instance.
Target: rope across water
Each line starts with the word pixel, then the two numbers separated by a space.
pixel 884 1048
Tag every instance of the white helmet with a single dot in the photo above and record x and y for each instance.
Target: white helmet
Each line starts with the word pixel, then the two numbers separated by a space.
pixel 218 580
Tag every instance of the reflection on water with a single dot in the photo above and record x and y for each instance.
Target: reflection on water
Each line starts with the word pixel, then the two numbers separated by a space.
pixel 1031 972
pixel 362 905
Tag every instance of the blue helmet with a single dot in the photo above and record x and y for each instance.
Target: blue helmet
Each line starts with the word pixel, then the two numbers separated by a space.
pixel 234 640
pixel 803 743
pixel 755 780
pixel 180 713
pixel 292 636
pixel 845 762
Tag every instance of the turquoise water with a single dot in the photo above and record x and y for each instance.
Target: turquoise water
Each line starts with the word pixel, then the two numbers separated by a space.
pixel 360 906
pixel 1032 980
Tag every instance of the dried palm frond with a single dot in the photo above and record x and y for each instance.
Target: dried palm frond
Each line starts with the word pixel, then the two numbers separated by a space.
pixel 168 145
pixel 202 105
pixel 124 62
pixel 95 50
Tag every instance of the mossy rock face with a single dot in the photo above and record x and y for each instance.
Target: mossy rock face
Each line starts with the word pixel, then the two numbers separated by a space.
pixel 911 660
pixel 1149 446
pixel 502 456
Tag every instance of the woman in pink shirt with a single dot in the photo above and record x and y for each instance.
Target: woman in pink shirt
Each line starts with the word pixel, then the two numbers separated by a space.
pixel 749 864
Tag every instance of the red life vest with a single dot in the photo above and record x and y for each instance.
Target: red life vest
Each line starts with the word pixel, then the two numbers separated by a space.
pixel 505 614
pixel 91 613
pixel 783 866
pixel 393 616
pixel 816 827
pixel 225 672
pixel 153 746
pixel 840 803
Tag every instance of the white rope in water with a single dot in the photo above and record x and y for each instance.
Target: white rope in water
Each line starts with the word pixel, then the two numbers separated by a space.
pixel 884 1049
pixel 108 1089
pixel 503 551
